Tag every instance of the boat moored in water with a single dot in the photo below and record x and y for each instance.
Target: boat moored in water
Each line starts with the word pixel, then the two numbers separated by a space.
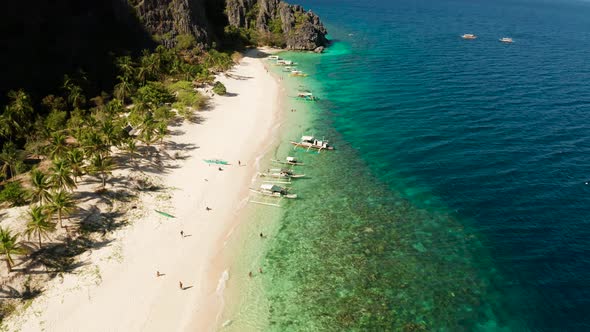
pixel 281 173
pixel 310 142
pixel 469 36
pixel 269 189
pixel 507 40
pixel 306 96
pixel 273 57
pixel 289 161
pixel 285 63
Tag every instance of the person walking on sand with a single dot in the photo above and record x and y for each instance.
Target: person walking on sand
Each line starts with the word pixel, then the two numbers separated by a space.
pixel 158 274
pixel 208 208
pixel 260 270
pixel 182 233
pixel 239 163
pixel 180 285
pixel 250 274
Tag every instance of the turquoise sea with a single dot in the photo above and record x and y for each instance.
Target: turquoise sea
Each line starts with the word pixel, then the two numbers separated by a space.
pixel 457 198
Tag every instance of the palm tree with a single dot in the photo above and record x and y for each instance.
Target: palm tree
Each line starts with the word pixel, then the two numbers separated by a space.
pixel 123 89
pixel 61 175
pixel 111 133
pixel 62 203
pixel 75 93
pixel 10 157
pixel 41 187
pixel 126 67
pixel 17 114
pixel 161 131
pixel 9 246
pixel 93 143
pixel 39 224
pixel 57 145
pixel 75 159
pixel 102 165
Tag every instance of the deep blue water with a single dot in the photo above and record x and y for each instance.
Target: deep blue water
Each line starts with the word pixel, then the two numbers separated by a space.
pixel 498 134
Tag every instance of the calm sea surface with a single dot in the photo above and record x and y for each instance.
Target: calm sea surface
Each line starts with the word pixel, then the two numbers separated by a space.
pixel 457 197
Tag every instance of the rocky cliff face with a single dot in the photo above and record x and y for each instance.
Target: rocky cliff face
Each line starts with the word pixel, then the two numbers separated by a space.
pixel 166 19
pixel 301 30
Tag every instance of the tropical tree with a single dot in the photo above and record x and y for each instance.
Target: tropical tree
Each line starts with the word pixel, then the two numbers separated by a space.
pixel 61 176
pixel 58 146
pixel 111 133
pixel 75 160
pixel 149 67
pixel 93 143
pixel 39 224
pixel 102 165
pixel 62 203
pixel 126 67
pixel 161 131
pixel 41 187
pixel 123 89
pixel 9 159
pixel 75 93
pixel 10 246
pixel 16 118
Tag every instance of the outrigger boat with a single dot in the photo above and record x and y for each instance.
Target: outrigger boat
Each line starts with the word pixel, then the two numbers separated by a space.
pixel 269 189
pixel 288 161
pixel 285 63
pixel 273 57
pixel 281 173
pixel 298 73
pixel 306 95
pixel 469 36
pixel 506 40
pixel 289 69
pixel 310 142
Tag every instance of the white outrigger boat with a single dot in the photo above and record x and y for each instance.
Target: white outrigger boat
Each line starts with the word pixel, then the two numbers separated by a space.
pixel 285 63
pixel 289 161
pixel 273 57
pixel 469 36
pixel 269 189
pixel 310 142
pixel 281 173
pixel 306 95
pixel 506 40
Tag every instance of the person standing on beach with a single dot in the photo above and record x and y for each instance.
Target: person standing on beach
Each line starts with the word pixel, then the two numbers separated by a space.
pixel 158 274
pixel 180 285
pixel 182 233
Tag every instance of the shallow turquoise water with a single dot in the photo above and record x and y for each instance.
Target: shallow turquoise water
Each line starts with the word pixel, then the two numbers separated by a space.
pixel 456 198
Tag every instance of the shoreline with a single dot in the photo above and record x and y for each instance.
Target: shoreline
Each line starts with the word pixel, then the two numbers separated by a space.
pixel 127 292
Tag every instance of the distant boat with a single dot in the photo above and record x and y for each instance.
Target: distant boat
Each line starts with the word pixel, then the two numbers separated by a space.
pixel 469 36
pixel 506 40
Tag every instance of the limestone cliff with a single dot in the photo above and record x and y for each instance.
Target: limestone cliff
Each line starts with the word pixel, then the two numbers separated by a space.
pixel 301 30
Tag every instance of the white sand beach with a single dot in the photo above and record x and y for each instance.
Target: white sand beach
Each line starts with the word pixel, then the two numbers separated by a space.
pixel 119 289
